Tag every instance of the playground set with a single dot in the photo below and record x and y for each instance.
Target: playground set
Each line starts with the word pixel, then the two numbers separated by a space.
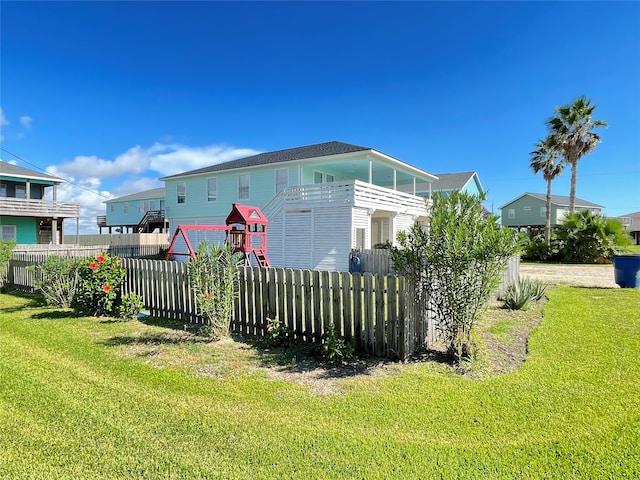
pixel 245 231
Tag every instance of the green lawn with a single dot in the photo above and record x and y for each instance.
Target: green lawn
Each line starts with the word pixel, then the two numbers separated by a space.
pixel 72 405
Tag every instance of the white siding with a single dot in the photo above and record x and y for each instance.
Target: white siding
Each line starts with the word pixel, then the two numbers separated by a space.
pixel 275 239
pixel 298 234
pixel 401 222
pixel 331 244
pixel 360 219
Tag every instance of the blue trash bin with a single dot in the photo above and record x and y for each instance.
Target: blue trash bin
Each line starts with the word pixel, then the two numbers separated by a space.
pixel 626 269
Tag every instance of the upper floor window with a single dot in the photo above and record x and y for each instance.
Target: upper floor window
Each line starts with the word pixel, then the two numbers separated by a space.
pixel 7 232
pixel 125 208
pixel 543 211
pixel 21 191
pixel 182 192
pixel 112 208
pixel 282 179
pixel 3 189
pixel 212 189
pixel 243 186
pixel 321 177
pixel 511 213
pixel 527 208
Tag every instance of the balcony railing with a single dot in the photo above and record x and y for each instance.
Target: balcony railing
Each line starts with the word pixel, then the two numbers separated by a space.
pixel 22 207
pixel 352 192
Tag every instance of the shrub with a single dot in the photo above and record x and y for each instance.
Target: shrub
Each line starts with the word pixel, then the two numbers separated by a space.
pixel 99 288
pixel 456 264
pixel 57 279
pixel 517 296
pixel 130 307
pixel 213 277
pixel 277 335
pixel 6 251
pixel 585 237
pixel 336 349
pixel 537 249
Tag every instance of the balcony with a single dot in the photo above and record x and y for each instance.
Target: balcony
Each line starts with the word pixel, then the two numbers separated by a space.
pixel 22 207
pixel 352 192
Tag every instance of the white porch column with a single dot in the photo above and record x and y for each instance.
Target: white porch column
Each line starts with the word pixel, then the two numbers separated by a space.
pixel 414 187
pixel 370 171
pixel 395 179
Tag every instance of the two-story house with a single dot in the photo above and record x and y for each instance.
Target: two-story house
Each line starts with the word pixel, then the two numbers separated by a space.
pixel 141 212
pixel 445 183
pixel 528 211
pixel 321 200
pixel 26 215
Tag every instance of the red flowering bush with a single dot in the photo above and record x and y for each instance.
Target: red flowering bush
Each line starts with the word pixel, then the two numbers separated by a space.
pixel 99 289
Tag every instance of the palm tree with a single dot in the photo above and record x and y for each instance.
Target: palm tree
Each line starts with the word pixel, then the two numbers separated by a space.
pixel 545 159
pixel 570 129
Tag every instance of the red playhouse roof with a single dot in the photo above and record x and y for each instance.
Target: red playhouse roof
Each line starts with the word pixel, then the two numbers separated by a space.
pixel 247 215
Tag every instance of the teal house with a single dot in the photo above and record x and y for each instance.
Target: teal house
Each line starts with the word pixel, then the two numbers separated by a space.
pixel 321 200
pixel 29 210
pixel 445 183
pixel 528 211
pixel 141 212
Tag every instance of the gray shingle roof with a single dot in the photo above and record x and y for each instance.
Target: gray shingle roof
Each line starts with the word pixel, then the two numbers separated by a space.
pixel 11 170
pixel 153 193
pixel 559 200
pixel 279 156
pixel 563 200
pixel 450 181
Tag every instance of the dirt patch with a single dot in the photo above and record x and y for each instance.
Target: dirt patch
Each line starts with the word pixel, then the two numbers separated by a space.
pixel 577 275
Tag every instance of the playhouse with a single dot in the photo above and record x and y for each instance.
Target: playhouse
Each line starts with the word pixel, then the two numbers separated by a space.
pixel 245 231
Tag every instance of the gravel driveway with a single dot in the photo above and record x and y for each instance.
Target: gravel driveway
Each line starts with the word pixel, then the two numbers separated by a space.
pixel 578 275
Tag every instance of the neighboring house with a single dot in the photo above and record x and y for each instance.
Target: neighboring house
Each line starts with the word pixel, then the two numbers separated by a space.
pixel 321 200
pixel 631 223
pixel 26 216
pixel 528 211
pixel 446 183
pixel 139 213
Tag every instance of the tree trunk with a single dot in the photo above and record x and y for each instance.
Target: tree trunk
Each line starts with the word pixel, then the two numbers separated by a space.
pixel 572 193
pixel 547 225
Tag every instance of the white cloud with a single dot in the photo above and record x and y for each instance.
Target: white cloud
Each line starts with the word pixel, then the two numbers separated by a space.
pixel 169 159
pixel 133 161
pixel 25 121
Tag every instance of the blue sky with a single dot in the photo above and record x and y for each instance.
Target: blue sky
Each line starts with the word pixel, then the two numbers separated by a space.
pixel 112 96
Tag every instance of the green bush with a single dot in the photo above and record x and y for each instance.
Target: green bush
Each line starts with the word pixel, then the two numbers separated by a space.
pixel 57 279
pixel 585 237
pixel 6 251
pixel 99 289
pixel 130 307
pixel 213 277
pixel 277 335
pixel 517 296
pixel 536 249
pixel 336 349
pixel 456 263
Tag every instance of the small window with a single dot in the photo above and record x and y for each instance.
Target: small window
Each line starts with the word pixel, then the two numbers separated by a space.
pixel 182 192
pixel 282 179
pixel 141 206
pixel 125 208
pixel 329 178
pixel 21 191
pixel 243 186
pixel 212 189
pixel 8 232
pixel 527 208
pixel 511 213
pixel 112 208
pixel 3 189
pixel 318 177
pixel 543 211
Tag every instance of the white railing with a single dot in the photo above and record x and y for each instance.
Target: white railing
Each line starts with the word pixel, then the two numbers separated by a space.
pixel 351 192
pixel 22 207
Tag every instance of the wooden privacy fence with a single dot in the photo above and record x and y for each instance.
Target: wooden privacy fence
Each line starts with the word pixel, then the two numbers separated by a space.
pixel 377 311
